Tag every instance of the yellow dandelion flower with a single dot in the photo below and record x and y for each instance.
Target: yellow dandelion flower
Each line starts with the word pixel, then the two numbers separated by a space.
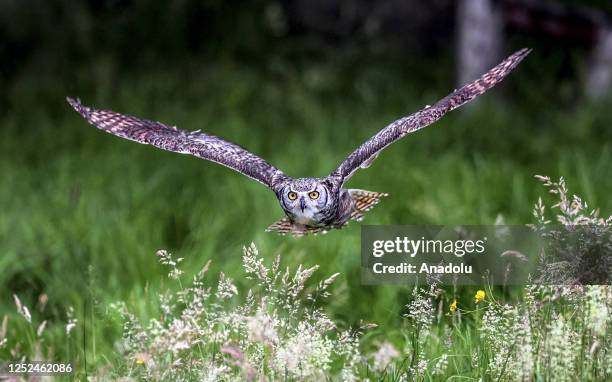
pixel 140 359
pixel 480 296
pixel 453 306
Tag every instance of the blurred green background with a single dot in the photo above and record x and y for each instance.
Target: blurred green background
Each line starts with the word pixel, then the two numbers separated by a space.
pixel 299 83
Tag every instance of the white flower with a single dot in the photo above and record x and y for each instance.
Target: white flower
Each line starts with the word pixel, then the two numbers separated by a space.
pixel 523 362
pixel 71 324
pixel 384 355
pixel 165 258
pixel 180 345
pixel 422 366
pixel 226 289
pixel 560 345
pixel 597 309
pixel 262 328
pixel 41 328
pixel 22 309
pixel 441 364
pixel 307 353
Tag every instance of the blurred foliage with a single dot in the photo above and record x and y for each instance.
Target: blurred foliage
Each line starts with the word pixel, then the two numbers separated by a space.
pixel 80 205
pixel 46 46
pixel 84 212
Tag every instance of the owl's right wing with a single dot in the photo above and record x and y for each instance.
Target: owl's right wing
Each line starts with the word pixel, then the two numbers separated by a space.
pixel 172 139
pixel 367 152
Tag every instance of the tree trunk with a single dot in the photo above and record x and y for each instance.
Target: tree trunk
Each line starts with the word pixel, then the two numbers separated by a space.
pixel 599 78
pixel 479 45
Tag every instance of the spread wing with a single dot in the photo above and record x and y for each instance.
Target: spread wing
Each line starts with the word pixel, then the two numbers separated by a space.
pixel 172 139
pixel 367 152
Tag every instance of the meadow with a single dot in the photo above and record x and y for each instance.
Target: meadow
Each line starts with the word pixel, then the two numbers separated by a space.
pixel 84 213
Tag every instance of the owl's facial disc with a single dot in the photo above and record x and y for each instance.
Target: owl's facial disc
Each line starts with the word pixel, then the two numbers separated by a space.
pixel 303 199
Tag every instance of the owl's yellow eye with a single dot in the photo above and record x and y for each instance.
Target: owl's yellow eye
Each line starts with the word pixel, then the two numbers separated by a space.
pixel 292 195
pixel 313 195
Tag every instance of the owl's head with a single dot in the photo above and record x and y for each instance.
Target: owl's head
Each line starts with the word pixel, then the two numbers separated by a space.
pixel 303 198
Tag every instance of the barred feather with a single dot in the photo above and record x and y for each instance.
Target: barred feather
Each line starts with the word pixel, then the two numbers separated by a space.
pixel 171 138
pixel 367 152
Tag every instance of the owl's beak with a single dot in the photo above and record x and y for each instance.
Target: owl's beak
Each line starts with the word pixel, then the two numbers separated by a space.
pixel 302 204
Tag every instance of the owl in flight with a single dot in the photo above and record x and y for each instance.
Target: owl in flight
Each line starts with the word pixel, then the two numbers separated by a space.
pixel 311 205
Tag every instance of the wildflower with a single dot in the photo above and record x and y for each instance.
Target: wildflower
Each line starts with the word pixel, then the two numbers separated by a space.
pixel 597 311
pixel 232 351
pixel 587 231
pixel 41 328
pixel 226 288
pixel 71 324
pixel 480 296
pixel 141 359
pixel 422 366
pixel 385 354
pixel 307 353
pixel 3 331
pixel 22 309
pixel 262 328
pixel 453 306
pixel 498 330
pixel 165 258
pixel 421 309
pixel 560 347
pixel 523 362
pixel 441 365
pixel 238 358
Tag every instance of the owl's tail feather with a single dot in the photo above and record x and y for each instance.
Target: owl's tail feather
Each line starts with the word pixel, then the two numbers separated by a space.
pixel 285 226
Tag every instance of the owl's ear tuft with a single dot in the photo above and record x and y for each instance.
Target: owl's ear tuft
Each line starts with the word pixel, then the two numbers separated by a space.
pixel 279 182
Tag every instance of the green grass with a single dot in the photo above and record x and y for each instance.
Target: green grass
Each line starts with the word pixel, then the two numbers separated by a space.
pixel 83 212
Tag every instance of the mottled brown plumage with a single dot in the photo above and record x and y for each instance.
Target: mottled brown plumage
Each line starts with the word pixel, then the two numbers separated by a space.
pixel 311 205
pixel 172 139
pixel 363 156
pixel 361 202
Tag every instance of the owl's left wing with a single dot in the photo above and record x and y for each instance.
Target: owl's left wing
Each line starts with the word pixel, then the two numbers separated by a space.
pixel 172 139
pixel 367 152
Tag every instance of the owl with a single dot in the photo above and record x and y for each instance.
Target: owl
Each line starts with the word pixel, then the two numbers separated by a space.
pixel 311 205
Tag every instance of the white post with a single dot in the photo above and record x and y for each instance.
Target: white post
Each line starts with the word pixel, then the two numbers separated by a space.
pixel 479 38
pixel 599 77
